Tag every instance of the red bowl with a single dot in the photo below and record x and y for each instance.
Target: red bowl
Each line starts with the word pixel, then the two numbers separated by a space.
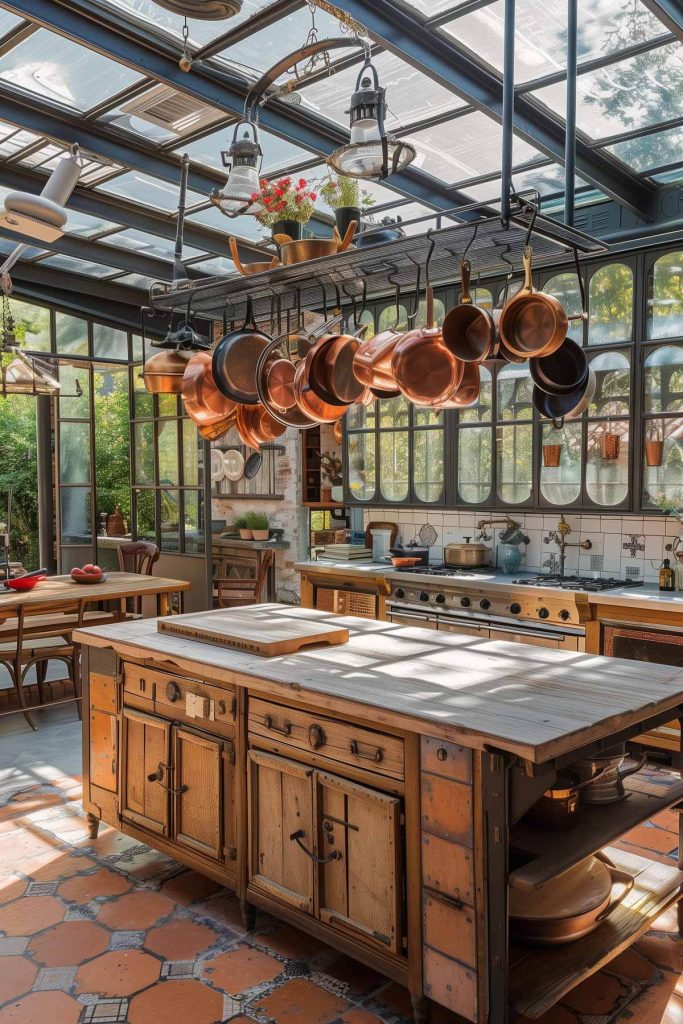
pixel 24 582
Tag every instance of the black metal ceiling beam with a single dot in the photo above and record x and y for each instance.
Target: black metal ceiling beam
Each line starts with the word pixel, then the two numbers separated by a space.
pixel 669 12
pixel 457 70
pixel 128 215
pixel 119 305
pixel 105 33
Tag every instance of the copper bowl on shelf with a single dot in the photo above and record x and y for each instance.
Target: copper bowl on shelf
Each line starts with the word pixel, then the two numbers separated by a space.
pixel 247 269
pixel 301 250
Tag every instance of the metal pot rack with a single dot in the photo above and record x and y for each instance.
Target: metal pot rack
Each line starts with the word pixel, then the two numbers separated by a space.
pixel 491 248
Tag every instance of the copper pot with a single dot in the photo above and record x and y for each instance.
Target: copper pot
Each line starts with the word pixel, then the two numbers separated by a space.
pixel 281 404
pixel 246 269
pixel 426 372
pixel 552 454
pixel 331 373
pixel 467 392
pixel 247 423
pixel 315 248
pixel 204 403
pixel 163 372
pixel 468 331
pixel 532 323
pixel 372 362
pixel 216 430
pixel 610 446
pixel 315 408
pixel 235 358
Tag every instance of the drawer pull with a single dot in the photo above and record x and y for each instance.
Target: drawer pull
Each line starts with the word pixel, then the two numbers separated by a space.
pixel 377 755
pixel 298 836
pixel 173 692
pixel 158 776
pixel 317 737
pixel 442 754
pixel 285 730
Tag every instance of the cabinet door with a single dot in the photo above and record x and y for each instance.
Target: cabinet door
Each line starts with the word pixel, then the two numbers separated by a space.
pixel 359 845
pixel 198 792
pixel 281 829
pixel 145 753
pixel 103 749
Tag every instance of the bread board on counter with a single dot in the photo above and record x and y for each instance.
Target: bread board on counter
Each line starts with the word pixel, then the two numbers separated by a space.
pixel 247 630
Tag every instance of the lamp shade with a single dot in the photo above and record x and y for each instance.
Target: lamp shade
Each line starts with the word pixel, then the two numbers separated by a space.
pixel 206 10
pixel 244 161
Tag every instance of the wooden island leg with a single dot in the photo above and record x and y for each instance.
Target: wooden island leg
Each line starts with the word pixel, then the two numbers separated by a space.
pixel 422 1009
pixel 248 916
pixel 679 905
pixel 93 825
pixel 164 605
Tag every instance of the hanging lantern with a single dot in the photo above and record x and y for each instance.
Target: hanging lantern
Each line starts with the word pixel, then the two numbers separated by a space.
pixel 372 153
pixel 205 10
pixel 244 162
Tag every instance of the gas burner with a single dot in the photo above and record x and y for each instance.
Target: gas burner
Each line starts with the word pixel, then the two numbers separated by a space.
pixel 437 570
pixel 586 583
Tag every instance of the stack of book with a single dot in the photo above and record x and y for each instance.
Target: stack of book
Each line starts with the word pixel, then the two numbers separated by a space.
pixel 345 553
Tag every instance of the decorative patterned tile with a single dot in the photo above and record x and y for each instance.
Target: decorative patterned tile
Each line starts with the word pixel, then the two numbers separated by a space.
pixel 11 946
pixel 127 940
pixel 106 1011
pixel 41 888
pixel 50 978
pixel 178 969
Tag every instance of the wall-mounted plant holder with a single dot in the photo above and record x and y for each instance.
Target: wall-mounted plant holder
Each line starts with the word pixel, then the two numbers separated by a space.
pixel 654 450
pixel 552 454
pixel 610 446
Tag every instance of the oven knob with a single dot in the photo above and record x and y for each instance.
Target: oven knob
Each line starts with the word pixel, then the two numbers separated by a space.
pixel 564 615
pixel 399 593
pixel 485 604
pixel 515 608
pixel 440 598
pixel 543 613
pixel 173 692
pixel 465 602
pixel 424 596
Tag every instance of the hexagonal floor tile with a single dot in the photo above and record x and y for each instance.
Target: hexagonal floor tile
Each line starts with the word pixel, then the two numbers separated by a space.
pixel 84 888
pixel 189 887
pixel 11 888
pixel 63 866
pixel 119 973
pixel 241 969
pixel 16 977
pixel 30 914
pixel 37 1007
pixel 136 910
pixel 180 940
pixel 176 1002
pixel 69 944
pixel 301 1002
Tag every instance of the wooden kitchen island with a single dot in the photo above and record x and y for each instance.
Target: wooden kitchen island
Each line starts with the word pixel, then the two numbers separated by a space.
pixel 371 793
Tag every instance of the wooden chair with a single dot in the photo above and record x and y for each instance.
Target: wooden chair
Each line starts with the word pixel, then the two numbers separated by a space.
pixel 137 557
pixel 235 593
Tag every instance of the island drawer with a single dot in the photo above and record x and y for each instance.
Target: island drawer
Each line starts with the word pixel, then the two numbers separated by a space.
pixel 183 700
pixel 340 742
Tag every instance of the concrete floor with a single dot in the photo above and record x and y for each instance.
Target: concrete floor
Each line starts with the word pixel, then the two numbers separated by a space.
pixel 109 931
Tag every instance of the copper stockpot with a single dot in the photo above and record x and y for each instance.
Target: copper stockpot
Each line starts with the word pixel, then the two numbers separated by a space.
pixel 426 372
pixel 372 362
pixel 468 331
pixel 204 403
pixel 304 249
pixel 163 372
pixel 532 323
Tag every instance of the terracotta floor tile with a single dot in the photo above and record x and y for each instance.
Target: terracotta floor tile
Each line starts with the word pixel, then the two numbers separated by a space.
pixel 23 847
pixel 632 964
pixel 16 977
pixel 69 943
pixel 657 1004
pixel 301 1002
pixel 223 909
pixel 63 865
pixel 30 914
pixel 360 978
pixel 42 1008
pixel 84 888
pixel 190 887
pixel 136 910
pixel 287 941
pixel 652 838
pixel 599 994
pixel 180 940
pixel 176 1002
pixel 664 950
pixel 360 1017
pixel 241 969
pixel 11 888
pixel 119 973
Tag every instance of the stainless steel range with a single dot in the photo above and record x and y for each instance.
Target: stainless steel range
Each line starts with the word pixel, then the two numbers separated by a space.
pixel 547 611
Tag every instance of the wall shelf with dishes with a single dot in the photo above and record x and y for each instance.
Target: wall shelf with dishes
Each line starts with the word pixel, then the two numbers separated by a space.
pixel 238 473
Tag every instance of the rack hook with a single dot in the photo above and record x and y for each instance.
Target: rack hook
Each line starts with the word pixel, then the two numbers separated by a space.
pixel 471 242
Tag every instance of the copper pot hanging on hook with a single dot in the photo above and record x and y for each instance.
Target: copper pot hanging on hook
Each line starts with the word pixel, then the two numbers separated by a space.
pixel 532 323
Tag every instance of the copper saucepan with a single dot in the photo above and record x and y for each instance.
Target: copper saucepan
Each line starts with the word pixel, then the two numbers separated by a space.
pixel 331 373
pixel 532 323
pixel 311 405
pixel 204 403
pixel 275 373
pixel 372 361
pixel 426 372
pixel 468 331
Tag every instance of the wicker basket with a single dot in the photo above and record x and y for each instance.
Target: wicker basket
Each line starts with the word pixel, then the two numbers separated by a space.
pixel 551 454
pixel 610 446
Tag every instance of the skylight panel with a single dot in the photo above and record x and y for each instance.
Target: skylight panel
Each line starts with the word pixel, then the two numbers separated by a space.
pixel 148 245
pixel 8 21
pixel 17 140
pixel 277 152
pixel 147 191
pixel 149 14
pixel 76 266
pixel 650 151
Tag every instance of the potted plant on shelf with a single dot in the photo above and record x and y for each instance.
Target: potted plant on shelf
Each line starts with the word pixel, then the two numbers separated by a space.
pixel 257 523
pixel 654 444
pixel 284 205
pixel 241 526
pixel 348 200
pixel 331 470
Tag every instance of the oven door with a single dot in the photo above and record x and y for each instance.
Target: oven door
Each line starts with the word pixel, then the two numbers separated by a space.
pixel 404 617
pixel 540 638
pixel 466 627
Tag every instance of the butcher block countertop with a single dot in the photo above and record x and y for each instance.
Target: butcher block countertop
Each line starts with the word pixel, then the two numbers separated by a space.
pixel 530 701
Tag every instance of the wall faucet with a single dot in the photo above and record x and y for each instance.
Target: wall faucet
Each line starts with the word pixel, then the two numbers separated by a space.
pixel 560 537
pixel 483 523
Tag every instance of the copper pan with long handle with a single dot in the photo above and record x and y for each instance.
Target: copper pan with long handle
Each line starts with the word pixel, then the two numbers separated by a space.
pixel 424 369
pixel 468 330
pixel 532 323
pixel 275 374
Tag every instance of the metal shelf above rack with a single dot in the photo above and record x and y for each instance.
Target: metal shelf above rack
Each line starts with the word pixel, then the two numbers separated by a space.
pixel 491 248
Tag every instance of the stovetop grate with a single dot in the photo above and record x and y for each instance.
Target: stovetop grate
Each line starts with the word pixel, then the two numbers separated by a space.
pixel 577 583
pixel 436 570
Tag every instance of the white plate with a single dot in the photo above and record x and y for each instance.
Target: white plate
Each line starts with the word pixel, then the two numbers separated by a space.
pixel 233 464
pixel 217 465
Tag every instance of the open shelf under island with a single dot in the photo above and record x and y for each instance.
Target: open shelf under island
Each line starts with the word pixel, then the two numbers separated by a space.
pixel 372 793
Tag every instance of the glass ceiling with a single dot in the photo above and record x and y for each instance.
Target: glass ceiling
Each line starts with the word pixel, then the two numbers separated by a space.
pixel 628 90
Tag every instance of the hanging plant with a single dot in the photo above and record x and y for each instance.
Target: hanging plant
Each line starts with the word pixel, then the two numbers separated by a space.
pixel 343 192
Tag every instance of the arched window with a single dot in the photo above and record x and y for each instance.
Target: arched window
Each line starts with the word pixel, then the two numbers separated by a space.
pixel 665 297
pixel 611 305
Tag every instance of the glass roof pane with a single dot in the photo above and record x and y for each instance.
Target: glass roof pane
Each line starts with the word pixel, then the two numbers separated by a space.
pixel 259 51
pixel 634 93
pixel 6 247
pixel 430 8
pixel 8 22
pixel 12 143
pixel 166 23
pixel 548 180
pixel 241 227
pixel 148 245
pixel 219 266
pixel 381 194
pixel 654 150
pixel 541 32
pixel 465 148
pixel 411 96
pixel 48 65
pixel 40 156
pixel 140 188
pixel 85 226
pixel 133 280
pixel 669 177
pixel 277 153
pixel 76 266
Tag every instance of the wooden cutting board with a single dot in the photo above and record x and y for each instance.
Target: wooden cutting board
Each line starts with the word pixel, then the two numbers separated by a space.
pixel 252 631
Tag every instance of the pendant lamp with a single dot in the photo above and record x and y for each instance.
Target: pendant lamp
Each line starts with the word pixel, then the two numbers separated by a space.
pixel 203 10
pixel 244 161
pixel 371 153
